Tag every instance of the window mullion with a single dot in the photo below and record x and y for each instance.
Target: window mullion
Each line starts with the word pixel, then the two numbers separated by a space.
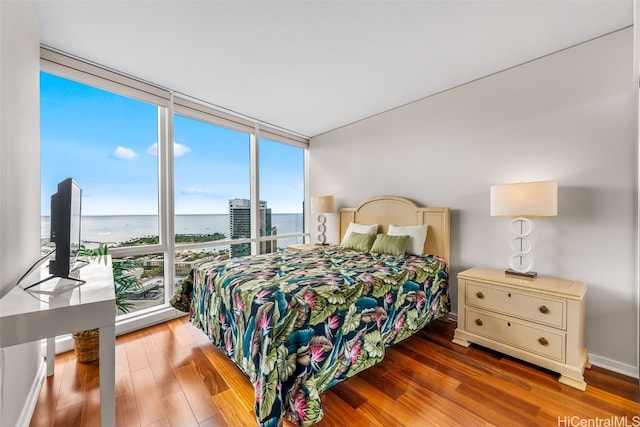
pixel 255 191
pixel 166 200
pixel 307 206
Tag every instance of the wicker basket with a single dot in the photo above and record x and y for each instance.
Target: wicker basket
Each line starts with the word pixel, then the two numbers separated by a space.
pixel 86 345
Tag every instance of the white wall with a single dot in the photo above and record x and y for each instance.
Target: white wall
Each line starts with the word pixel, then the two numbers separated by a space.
pixel 19 190
pixel 568 117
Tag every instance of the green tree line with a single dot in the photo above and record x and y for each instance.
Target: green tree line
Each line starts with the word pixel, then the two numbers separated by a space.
pixel 180 238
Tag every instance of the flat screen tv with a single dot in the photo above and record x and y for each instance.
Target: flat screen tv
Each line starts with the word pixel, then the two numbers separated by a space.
pixel 66 207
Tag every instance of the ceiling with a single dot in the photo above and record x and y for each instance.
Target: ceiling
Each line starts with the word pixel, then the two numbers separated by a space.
pixel 313 66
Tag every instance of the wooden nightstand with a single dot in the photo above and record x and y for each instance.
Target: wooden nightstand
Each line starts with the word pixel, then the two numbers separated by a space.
pixel 538 320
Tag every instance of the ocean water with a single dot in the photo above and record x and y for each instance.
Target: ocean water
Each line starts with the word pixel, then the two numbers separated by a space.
pixel 120 228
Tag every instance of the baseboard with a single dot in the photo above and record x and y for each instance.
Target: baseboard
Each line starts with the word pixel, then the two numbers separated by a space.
pixel 32 398
pixel 613 365
pixel 140 320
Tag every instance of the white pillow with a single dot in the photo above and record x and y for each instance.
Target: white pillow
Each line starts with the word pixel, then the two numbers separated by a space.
pixel 359 228
pixel 418 234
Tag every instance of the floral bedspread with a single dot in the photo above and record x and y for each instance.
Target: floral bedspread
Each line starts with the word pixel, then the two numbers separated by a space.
pixel 296 323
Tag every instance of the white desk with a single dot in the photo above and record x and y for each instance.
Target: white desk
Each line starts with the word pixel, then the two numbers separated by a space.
pixel 59 307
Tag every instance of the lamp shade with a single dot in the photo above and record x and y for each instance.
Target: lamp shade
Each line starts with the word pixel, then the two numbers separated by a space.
pixel 525 199
pixel 322 204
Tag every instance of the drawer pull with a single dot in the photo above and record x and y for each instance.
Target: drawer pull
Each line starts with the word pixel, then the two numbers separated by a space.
pixel 480 295
pixel 543 309
pixel 543 341
pixel 478 322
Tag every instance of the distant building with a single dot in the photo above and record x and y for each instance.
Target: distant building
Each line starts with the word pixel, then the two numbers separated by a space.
pixel 240 226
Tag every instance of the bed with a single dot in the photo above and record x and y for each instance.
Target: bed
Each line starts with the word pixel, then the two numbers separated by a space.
pixel 298 322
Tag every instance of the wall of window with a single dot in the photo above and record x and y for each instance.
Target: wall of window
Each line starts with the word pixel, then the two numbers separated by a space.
pixel 166 180
pixel 212 190
pixel 282 187
pixel 107 143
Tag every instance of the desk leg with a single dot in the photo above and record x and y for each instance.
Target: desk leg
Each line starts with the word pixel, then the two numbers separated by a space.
pixel 51 356
pixel 108 376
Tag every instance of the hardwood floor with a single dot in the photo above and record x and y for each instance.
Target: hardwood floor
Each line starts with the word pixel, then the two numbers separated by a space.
pixel 170 375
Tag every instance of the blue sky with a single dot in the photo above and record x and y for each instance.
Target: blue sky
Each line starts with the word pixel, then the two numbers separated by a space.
pixel 108 144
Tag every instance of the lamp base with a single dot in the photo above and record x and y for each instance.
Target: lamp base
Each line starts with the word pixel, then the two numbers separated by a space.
pixel 529 274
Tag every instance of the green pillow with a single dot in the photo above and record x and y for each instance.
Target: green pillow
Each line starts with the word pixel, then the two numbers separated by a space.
pixel 392 245
pixel 359 241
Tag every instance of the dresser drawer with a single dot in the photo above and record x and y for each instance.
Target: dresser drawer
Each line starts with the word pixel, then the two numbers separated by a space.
pixel 547 311
pixel 542 341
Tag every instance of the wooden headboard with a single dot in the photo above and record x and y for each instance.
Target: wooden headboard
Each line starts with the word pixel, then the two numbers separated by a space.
pixel 385 210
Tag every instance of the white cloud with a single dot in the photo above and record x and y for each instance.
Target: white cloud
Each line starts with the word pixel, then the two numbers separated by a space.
pixel 124 153
pixel 178 149
pixel 153 149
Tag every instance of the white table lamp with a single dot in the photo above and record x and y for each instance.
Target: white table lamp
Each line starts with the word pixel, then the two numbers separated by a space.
pixel 322 205
pixel 522 200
